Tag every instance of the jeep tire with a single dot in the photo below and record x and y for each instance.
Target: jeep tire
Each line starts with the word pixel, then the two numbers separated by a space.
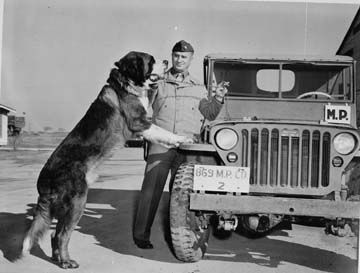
pixel 188 233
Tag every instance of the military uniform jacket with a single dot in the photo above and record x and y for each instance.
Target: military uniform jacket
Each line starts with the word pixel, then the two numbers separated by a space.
pixel 180 107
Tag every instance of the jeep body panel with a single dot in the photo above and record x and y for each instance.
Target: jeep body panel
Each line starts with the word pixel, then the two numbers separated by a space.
pixel 285 140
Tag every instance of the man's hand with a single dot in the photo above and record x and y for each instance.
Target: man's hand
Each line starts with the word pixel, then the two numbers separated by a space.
pixel 221 91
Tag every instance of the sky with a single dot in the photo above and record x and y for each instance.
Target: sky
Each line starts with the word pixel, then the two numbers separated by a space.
pixel 56 54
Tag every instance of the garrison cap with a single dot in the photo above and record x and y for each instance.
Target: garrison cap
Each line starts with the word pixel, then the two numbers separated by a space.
pixel 183 46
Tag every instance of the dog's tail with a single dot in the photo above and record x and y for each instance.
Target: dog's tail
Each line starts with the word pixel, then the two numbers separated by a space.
pixel 40 224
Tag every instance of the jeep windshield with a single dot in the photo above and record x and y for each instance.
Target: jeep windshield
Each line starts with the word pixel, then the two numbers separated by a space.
pixel 294 80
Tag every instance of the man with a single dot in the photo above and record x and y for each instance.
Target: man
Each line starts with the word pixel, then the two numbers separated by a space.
pixel 180 105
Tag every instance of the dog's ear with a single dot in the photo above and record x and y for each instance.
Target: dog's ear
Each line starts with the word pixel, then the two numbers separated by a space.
pixel 135 66
pixel 116 80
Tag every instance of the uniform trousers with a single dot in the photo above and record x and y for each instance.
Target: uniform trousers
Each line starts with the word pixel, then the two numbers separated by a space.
pixel 156 173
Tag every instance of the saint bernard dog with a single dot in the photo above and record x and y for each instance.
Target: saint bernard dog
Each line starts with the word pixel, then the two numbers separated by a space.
pixel 118 112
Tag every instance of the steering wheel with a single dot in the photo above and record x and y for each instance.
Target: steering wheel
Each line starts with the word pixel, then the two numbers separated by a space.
pixel 314 93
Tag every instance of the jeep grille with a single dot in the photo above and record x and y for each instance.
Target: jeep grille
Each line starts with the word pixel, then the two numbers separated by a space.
pixel 288 158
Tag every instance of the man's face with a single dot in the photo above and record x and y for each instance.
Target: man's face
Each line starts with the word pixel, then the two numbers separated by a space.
pixel 181 61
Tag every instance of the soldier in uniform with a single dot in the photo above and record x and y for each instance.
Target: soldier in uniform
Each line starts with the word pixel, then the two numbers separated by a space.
pixel 179 105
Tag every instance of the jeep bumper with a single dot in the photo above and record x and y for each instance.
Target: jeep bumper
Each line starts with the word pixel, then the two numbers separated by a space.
pixel 245 204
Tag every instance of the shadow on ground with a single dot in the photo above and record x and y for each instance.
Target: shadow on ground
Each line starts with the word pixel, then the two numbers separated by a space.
pixel 12 232
pixel 109 219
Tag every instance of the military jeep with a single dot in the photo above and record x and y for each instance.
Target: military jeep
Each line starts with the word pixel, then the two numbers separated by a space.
pixel 280 148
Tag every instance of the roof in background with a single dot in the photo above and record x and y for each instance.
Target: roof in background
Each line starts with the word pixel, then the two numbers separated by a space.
pixel 348 31
pixel 7 108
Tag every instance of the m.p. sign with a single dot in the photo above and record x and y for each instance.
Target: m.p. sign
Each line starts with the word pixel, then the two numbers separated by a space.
pixel 337 114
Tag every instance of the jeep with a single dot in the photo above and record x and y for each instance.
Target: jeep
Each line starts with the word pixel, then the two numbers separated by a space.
pixel 281 148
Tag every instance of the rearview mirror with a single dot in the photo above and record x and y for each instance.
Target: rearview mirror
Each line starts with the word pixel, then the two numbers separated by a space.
pixel 268 80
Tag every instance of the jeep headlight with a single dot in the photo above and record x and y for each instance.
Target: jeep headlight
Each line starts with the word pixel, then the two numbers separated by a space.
pixel 344 143
pixel 226 139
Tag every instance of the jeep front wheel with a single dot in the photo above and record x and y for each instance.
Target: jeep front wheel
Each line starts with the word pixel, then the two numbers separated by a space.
pixel 189 229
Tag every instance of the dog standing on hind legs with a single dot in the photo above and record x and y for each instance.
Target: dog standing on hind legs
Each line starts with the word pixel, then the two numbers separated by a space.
pixel 116 113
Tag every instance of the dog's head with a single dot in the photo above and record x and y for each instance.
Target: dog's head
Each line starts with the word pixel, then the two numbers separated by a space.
pixel 138 69
pixel 135 67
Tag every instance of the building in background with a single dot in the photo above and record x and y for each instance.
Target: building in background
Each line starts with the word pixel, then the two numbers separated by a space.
pixel 350 46
pixel 4 111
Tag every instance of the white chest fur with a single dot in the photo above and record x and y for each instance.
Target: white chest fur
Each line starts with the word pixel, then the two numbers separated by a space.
pixel 145 102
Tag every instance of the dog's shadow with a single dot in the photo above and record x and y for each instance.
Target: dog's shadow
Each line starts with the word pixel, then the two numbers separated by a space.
pixel 109 217
pixel 12 232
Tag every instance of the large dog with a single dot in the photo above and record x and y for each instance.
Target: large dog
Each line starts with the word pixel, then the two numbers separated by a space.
pixel 116 113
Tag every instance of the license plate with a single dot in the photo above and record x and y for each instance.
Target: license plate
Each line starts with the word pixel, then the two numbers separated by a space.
pixel 221 178
pixel 338 114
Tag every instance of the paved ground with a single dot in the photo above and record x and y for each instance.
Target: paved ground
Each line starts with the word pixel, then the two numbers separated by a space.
pixel 102 242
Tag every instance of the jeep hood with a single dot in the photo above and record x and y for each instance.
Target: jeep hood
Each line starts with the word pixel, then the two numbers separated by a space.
pixel 293 112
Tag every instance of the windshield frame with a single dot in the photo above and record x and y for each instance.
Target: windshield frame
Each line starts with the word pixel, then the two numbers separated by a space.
pixel 209 70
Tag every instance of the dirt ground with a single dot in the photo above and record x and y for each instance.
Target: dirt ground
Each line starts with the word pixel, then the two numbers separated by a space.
pixel 103 242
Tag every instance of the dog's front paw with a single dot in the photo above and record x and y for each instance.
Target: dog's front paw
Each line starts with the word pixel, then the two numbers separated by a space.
pixel 183 140
pixel 187 140
pixel 69 264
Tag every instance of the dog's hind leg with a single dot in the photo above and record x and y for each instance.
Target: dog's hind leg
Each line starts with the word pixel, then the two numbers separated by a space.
pixel 65 226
